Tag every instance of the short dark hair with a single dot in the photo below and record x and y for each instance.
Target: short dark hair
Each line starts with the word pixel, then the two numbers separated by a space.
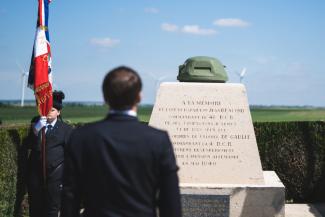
pixel 121 87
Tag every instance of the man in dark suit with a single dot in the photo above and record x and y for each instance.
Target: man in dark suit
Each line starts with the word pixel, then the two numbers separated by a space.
pixel 45 198
pixel 119 167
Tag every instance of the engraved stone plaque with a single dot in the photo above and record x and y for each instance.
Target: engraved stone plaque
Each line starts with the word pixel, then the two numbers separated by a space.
pixel 211 130
pixel 205 205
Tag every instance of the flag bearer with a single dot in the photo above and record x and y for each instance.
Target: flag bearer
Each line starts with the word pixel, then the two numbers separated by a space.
pixel 44 193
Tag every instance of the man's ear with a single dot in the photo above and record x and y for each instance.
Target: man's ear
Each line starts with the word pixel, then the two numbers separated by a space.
pixel 139 97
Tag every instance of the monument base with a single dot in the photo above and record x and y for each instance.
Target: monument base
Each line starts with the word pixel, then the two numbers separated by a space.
pixel 225 200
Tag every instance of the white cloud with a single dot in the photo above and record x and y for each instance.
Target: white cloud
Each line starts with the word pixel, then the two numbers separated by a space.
pixel 151 10
pixel 104 42
pixel 197 30
pixel 169 27
pixel 188 29
pixel 231 22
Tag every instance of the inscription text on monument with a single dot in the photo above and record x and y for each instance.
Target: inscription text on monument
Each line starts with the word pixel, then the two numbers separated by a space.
pixel 211 130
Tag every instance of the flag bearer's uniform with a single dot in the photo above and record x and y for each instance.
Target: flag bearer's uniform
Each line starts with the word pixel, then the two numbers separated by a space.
pixel 45 199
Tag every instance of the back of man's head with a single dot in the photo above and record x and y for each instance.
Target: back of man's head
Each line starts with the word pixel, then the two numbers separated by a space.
pixel 121 88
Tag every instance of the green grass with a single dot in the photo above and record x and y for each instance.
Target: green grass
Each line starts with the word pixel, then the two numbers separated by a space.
pixel 287 114
pixel 74 114
pixel 83 114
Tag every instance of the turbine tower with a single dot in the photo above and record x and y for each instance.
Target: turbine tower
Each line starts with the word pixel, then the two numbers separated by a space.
pixel 24 75
pixel 157 79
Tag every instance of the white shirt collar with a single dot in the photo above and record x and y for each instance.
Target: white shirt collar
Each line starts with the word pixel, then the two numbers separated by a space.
pixel 123 112
pixel 52 123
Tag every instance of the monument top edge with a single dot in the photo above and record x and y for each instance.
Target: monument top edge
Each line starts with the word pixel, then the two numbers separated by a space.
pixel 218 185
pixel 201 84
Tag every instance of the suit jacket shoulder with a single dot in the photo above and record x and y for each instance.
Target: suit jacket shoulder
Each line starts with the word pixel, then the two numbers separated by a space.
pixel 122 163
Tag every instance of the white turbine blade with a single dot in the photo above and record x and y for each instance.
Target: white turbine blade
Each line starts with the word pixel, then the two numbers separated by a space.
pixel 55 86
pixel 161 78
pixel 243 72
pixel 154 77
pixel 235 72
pixel 22 71
pixel 19 66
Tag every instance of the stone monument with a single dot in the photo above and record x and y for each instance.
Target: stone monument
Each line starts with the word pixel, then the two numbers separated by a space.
pixel 211 129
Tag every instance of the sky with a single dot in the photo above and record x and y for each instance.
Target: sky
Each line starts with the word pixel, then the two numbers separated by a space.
pixel 279 42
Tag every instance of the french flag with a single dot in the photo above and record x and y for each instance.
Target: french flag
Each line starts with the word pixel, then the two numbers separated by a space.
pixel 40 75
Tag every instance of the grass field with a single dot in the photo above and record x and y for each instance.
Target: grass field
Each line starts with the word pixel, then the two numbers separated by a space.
pixel 74 114
pixel 83 114
pixel 287 114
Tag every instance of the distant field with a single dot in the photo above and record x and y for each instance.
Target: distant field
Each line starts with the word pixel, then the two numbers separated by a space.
pixel 287 114
pixel 73 114
pixel 82 114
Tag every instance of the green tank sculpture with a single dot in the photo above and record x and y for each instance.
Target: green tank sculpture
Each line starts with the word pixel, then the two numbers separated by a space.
pixel 202 69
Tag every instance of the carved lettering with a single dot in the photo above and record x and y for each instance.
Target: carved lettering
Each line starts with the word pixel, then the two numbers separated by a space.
pixel 203 134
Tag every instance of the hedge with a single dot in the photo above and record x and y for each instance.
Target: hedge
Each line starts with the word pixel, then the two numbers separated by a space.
pixel 13 157
pixel 295 150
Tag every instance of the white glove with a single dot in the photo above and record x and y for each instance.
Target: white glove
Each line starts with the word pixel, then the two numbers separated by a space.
pixel 40 124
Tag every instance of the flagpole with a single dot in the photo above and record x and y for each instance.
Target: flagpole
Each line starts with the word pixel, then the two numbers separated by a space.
pixel 40 75
pixel 43 156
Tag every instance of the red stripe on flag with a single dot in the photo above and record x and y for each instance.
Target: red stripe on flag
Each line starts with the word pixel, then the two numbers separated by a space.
pixel 41 70
pixel 44 98
pixel 42 86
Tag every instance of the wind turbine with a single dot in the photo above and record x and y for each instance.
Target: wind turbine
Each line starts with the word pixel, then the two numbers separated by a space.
pixel 241 74
pixel 157 79
pixel 24 75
